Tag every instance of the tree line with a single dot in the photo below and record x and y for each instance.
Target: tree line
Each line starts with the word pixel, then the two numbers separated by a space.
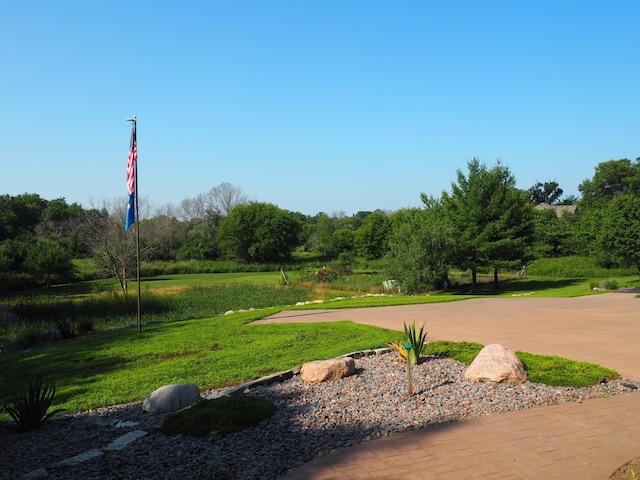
pixel 482 223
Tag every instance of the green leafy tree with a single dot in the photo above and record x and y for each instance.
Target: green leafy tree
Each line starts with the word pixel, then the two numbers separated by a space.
pixel 619 237
pixel 420 247
pixel 547 192
pixel 556 236
pixel 63 221
pixel 50 258
pixel 372 238
pixel 196 246
pixel 20 215
pixel 342 241
pixel 492 220
pixel 359 217
pixel 13 253
pixel 330 235
pixel 259 232
pixel 612 178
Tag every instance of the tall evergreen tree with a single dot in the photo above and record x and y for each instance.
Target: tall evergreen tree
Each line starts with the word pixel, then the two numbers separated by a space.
pixel 493 220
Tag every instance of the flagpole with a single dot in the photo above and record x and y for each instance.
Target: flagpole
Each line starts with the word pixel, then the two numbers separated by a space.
pixel 135 169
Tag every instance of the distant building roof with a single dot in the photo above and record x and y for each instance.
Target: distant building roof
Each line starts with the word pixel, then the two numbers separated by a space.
pixel 559 209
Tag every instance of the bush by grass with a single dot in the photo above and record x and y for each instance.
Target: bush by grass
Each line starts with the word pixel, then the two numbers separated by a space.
pixel 575 267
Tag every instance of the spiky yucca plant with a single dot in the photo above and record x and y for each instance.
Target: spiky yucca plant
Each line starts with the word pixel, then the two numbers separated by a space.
pixel 399 348
pixel 29 407
pixel 417 339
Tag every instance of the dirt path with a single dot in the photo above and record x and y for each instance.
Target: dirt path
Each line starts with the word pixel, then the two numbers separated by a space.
pixel 603 329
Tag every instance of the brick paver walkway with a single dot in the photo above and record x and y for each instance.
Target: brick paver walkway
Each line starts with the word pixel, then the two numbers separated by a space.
pixel 588 440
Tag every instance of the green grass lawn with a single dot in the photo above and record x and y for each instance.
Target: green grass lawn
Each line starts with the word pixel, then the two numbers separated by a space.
pixel 119 366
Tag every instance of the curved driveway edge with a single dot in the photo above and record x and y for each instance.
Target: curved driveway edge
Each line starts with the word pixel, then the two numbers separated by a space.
pixel 602 329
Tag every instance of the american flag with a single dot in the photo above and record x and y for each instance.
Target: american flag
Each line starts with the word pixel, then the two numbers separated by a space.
pixel 131 184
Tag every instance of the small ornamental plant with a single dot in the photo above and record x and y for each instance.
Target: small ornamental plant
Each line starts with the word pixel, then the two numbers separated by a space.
pixel 417 339
pixel 30 408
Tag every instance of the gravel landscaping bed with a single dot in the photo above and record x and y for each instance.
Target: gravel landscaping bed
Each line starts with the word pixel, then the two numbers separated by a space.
pixel 311 420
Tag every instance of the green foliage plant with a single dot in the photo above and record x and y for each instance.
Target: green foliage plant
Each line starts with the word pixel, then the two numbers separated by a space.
pixel 418 248
pixel 225 415
pixel 493 221
pixel 29 407
pixel 28 336
pixel 400 350
pixel 417 339
pixel 575 267
pixel 259 232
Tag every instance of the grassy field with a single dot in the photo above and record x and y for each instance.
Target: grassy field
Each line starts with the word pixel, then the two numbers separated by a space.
pixel 120 366
pixel 186 338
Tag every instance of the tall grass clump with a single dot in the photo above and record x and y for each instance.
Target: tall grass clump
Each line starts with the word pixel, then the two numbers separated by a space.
pixel 202 301
pixel 574 267
pixel 107 309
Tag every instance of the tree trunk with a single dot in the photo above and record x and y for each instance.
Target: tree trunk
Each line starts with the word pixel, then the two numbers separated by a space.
pixel 474 276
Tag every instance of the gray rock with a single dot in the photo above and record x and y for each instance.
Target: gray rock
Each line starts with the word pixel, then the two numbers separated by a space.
pixel 35 474
pixel 126 424
pixel 126 439
pixel 78 459
pixel 171 398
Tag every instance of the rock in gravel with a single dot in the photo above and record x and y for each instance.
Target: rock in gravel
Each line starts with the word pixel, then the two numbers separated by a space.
pixel 171 398
pixel 497 364
pixel 323 370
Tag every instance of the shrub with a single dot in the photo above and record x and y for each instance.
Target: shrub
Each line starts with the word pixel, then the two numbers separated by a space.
pixel 65 327
pixel 225 414
pixel 610 284
pixel 7 317
pixel 28 336
pixel 29 407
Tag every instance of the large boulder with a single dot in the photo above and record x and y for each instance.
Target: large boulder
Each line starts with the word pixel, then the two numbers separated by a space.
pixel 323 370
pixel 497 364
pixel 171 398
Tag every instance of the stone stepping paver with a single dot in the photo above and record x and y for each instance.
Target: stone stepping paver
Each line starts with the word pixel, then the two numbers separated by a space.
pixel 126 439
pixel 78 459
pixel 118 444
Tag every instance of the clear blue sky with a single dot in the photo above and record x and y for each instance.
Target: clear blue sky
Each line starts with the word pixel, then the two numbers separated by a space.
pixel 331 105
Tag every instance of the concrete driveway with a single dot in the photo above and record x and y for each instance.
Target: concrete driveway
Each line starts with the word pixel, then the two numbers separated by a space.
pixel 602 329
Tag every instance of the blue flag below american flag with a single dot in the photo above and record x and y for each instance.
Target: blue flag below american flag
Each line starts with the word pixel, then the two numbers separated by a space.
pixel 131 184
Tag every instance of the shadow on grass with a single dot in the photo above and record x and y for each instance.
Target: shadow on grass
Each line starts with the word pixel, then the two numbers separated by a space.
pixel 516 286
